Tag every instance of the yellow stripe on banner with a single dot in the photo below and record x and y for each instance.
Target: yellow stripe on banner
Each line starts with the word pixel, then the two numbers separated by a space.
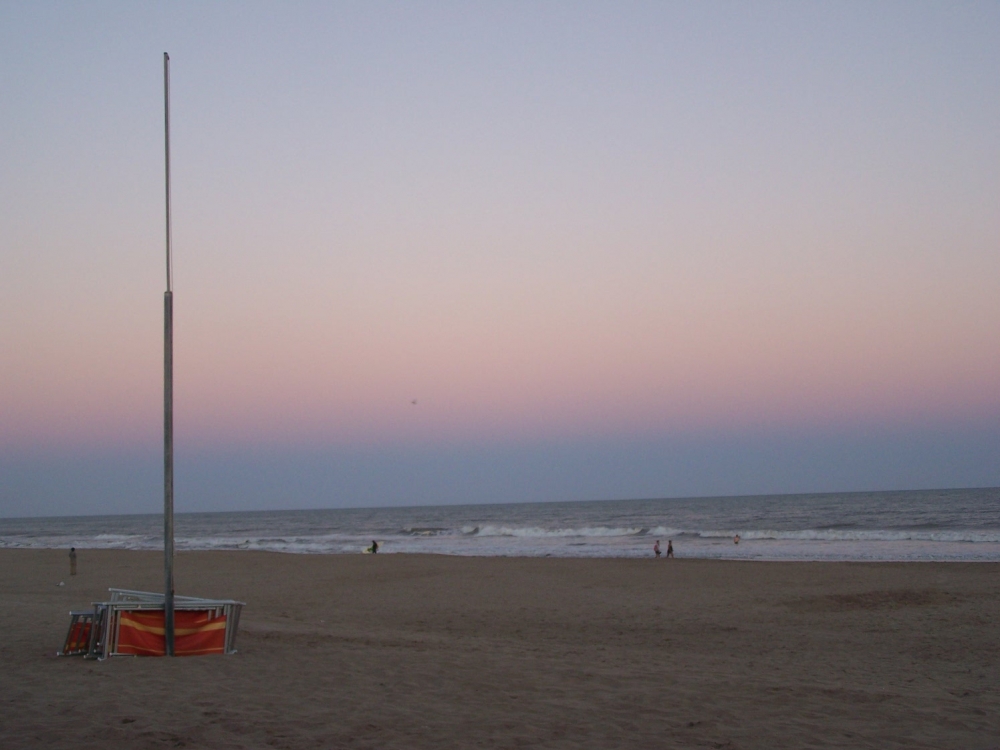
pixel 217 625
pixel 130 623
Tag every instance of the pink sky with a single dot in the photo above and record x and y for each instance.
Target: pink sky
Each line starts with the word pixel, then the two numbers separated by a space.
pixel 663 220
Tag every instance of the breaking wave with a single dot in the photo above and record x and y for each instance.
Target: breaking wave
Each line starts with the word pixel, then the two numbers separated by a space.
pixel 535 532
pixel 855 535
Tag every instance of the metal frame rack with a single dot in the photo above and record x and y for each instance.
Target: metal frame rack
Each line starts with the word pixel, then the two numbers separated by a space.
pixel 95 633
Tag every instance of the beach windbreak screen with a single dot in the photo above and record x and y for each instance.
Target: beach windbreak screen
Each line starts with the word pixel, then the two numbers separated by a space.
pixel 437 254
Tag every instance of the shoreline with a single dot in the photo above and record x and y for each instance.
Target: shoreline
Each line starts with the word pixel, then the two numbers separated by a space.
pixel 412 650
pixel 537 556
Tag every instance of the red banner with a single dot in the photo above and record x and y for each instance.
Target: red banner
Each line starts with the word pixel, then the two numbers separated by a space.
pixel 196 631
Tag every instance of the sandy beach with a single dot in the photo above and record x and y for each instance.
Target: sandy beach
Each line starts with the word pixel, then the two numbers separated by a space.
pixel 410 651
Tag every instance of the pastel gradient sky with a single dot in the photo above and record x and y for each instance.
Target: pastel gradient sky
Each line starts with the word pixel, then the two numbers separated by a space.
pixel 612 250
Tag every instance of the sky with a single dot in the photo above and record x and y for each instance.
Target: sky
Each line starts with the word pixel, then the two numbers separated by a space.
pixel 451 252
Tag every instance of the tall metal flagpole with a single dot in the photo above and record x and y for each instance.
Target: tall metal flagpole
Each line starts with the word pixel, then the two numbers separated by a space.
pixel 168 398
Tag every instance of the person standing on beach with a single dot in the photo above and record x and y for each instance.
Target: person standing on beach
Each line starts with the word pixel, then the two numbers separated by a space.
pixel 72 561
pixel 374 546
pixel 670 548
pixel 656 548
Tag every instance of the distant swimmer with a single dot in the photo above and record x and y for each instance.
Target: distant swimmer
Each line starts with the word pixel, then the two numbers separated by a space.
pixel 736 539
pixel 670 548
pixel 656 548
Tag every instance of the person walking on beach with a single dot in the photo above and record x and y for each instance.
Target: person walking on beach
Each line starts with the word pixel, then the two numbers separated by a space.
pixel 670 548
pixel 656 548
pixel 72 561
pixel 374 546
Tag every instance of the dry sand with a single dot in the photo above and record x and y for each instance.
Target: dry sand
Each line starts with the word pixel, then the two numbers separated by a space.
pixel 409 651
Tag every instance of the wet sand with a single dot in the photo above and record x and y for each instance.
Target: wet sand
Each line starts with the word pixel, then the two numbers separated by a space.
pixel 413 651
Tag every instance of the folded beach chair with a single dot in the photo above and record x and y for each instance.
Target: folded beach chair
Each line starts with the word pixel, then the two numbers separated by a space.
pixel 78 636
pixel 132 623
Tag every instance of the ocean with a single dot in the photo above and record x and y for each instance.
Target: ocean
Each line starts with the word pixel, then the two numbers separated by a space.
pixel 959 525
